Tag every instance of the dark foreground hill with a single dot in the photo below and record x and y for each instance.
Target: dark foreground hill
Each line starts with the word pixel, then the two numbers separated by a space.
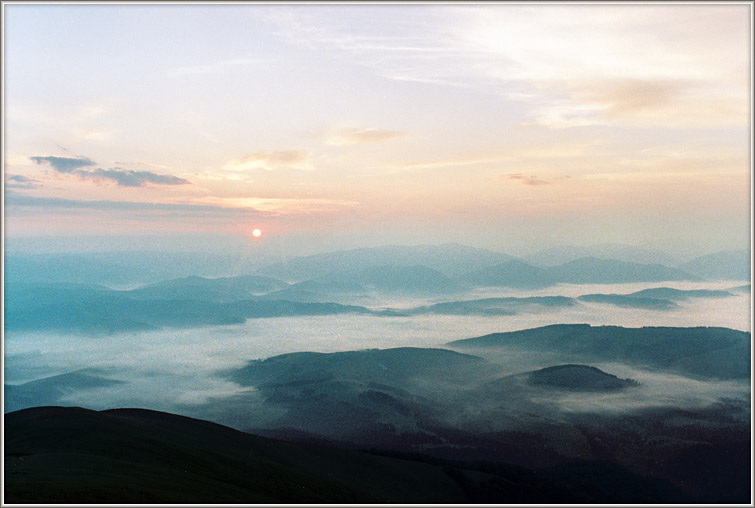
pixel 75 455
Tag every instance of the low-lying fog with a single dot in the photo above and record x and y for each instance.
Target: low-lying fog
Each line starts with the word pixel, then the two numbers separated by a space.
pixel 173 367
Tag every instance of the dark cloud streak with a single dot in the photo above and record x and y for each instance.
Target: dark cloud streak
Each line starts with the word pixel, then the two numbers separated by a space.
pixel 20 182
pixel 121 177
pixel 64 164
pixel 131 178
pixel 14 199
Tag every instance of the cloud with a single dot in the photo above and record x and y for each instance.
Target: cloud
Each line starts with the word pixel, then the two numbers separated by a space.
pixel 352 136
pixel 14 199
pixel 629 67
pixel 64 164
pixel 122 177
pixel 527 180
pixel 673 103
pixel 130 178
pixel 269 161
pixel 20 182
pixel 287 206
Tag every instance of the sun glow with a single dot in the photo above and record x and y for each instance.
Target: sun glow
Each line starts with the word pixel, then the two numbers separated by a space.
pixel 256 233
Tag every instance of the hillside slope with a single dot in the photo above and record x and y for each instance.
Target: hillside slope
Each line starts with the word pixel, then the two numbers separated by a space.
pixel 74 455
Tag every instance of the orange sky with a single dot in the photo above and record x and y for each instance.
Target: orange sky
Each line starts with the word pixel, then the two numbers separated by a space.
pixel 498 125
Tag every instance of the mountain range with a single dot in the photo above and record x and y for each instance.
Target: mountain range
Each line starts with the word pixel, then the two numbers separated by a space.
pixel 196 301
pixel 703 352
pixel 457 262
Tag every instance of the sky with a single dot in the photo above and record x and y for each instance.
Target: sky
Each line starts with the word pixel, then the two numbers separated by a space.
pixel 507 126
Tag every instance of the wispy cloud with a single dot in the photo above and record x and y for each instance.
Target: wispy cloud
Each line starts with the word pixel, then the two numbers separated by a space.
pixel 340 136
pixel 527 179
pixel 121 177
pixel 14 199
pixel 130 178
pixel 20 182
pixel 625 69
pixel 207 208
pixel 287 206
pixel 63 164
pixel 279 159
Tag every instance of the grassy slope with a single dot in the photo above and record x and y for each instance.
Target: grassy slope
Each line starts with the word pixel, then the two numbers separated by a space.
pixel 74 455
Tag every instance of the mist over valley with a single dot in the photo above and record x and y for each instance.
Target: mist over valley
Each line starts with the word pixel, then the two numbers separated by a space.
pixel 369 355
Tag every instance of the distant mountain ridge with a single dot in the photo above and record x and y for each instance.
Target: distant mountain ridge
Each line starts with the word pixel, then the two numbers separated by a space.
pixel 451 259
pixel 589 270
pixel 725 265
pixel 196 301
pixel 707 352
pixel 128 269
pixel 554 256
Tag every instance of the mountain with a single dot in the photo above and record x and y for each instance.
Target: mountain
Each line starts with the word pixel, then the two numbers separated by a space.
pixel 462 407
pixel 662 298
pixel 375 397
pixel 487 306
pixel 740 290
pixel 57 455
pixel 592 270
pixel 52 390
pixel 224 289
pixel 416 280
pixel 123 268
pixel 706 352
pixel 394 367
pixel 559 255
pixel 514 273
pixel 630 301
pixel 680 294
pixel 76 308
pixel 571 377
pixel 724 265
pixel 451 259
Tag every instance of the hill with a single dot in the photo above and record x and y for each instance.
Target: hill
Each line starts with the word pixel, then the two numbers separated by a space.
pixel 51 390
pixel 707 352
pixel 680 294
pixel 122 268
pixel 725 265
pixel 394 367
pixel 223 289
pixel 589 270
pixel 489 306
pixel 580 378
pixel 630 301
pixel 389 279
pixel 451 259
pixel 76 308
pixel 514 273
pixel 559 255
pixel 74 455
pixel 592 270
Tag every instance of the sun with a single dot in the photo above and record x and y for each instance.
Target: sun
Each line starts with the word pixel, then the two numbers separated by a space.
pixel 256 233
